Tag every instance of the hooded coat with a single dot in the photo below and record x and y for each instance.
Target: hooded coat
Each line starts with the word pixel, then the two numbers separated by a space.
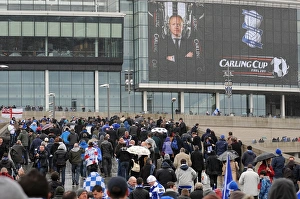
pixel 185 176
pixel 165 174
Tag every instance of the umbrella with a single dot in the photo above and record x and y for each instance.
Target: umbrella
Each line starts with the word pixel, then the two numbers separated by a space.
pixel 159 130
pixel 232 155
pixel 138 150
pixel 264 156
pixel 47 126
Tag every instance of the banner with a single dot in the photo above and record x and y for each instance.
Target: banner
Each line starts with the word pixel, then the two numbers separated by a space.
pixel 10 113
pixel 227 179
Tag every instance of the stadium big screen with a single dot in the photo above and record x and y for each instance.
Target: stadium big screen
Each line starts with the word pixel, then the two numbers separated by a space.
pixel 193 42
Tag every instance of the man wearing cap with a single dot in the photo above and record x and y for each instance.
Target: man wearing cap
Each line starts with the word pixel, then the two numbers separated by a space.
pixel 278 164
pixel 156 189
pixel 250 180
pixel 117 188
pixel 82 193
pixel 221 145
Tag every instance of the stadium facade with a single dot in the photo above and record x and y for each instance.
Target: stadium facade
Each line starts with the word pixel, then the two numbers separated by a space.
pixel 243 56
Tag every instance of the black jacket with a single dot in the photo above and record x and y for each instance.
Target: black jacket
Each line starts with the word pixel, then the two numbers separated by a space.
pixel 197 161
pixel 106 149
pixel 123 155
pixel 196 194
pixel 165 174
pixel 139 193
pixel 60 157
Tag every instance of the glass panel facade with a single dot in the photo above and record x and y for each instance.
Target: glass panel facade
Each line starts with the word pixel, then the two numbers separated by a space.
pixel 61 37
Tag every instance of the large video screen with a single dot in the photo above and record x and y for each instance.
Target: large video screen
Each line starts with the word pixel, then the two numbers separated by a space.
pixel 194 42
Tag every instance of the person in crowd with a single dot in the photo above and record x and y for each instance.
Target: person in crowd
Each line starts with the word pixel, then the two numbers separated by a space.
pixel 16 154
pixel 8 164
pixel 185 194
pixel 24 137
pixel 131 183
pixel 121 130
pixel 237 146
pixel 168 160
pixel 69 195
pixel 91 157
pixel 11 189
pixel 221 145
pixel 185 176
pixel 12 131
pixel 139 192
pixel 64 136
pixel 248 157
pixel 117 188
pixel 180 156
pixel 208 146
pixel 198 191
pixel 107 154
pixel 156 189
pixel 265 185
pixel 124 158
pixel 75 159
pixel 3 148
pixel 35 185
pixel 72 138
pixel 213 168
pixel 97 192
pixel 278 164
pixel 165 174
pixel 54 183
pixel 196 141
pixel 60 158
pixel 250 180
pixel 171 190
pixel 42 163
pixel 59 192
pixel 82 193
pixel 84 146
pixel 282 189
pixel 234 169
pixel 266 165
pixel 197 161
pixel 147 169
pixel 4 172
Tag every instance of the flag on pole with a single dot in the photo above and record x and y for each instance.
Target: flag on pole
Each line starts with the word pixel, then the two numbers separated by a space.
pixel 227 179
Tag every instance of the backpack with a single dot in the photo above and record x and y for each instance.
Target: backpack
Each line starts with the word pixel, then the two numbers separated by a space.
pixel 174 144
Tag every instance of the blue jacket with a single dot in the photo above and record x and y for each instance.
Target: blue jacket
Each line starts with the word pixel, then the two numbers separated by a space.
pixel 278 165
pixel 64 137
pixel 221 146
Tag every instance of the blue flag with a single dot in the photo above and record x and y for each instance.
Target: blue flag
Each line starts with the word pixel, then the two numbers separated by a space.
pixel 227 179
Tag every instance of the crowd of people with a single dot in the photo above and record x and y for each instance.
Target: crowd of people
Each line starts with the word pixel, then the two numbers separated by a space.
pixel 180 162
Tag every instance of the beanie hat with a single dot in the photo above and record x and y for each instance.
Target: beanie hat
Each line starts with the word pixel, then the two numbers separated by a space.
pixel 11 189
pixel 222 136
pixel 80 191
pixel 233 186
pixel 151 178
pixel 59 191
pixel 167 156
pixel 278 151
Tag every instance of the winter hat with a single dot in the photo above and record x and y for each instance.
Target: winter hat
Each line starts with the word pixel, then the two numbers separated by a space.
pixel 167 156
pixel 59 191
pixel 117 187
pixel 80 191
pixel 151 178
pixel 11 189
pixel 222 136
pixel 278 151
pixel 233 186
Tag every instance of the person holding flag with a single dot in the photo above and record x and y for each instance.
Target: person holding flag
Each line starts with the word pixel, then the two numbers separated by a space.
pixel 227 179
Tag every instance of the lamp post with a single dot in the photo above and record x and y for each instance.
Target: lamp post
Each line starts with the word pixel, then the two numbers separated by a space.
pixel 128 84
pixel 52 103
pixel 107 87
pixel 173 100
pixel 228 87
